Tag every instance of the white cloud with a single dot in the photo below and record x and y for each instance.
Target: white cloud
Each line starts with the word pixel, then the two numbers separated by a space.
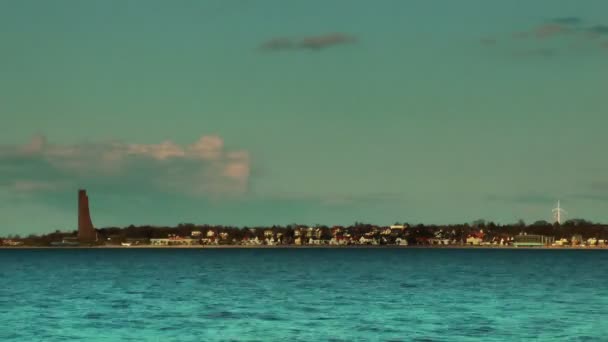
pixel 203 168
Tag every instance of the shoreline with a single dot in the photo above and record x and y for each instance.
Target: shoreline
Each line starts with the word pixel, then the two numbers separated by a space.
pixel 311 247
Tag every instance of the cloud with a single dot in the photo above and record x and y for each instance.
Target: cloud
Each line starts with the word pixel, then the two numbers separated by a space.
pixel 327 40
pixel 558 35
pixel 598 29
pixel 307 43
pixel 203 168
pixel 573 21
pixel 562 26
pixel 275 44
pixel 550 30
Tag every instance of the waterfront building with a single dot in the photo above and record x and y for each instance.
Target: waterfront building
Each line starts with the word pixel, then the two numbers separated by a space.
pixel 366 240
pixel 441 241
pixel 401 242
pixel 532 240
pixel 386 232
pixel 561 242
pixel 474 240
pixel 65 243
pixel 336 231
pixel 10 242
pixel 309 232
pixel 173 241
pixel 398 226
pixel 137 241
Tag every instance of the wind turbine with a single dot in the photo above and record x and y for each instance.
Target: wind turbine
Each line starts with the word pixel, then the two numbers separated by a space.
pixel 558 213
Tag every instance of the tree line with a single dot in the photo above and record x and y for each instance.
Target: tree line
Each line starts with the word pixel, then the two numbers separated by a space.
pixel 414 233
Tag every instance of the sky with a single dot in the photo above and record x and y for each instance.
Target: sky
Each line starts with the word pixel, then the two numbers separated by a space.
pixel 314 112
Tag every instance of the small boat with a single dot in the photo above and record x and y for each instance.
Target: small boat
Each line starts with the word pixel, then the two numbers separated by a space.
pixel 125 244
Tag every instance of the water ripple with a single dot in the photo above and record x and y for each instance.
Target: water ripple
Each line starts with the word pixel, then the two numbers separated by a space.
pixel 302 295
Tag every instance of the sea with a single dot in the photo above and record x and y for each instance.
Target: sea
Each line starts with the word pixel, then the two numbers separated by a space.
pixel 303 294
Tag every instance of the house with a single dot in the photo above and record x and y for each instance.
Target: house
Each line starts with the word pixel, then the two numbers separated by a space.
pixel 173 240
pixel 366 240
pixel 137 241
pixel 316 242
pixel 308 232
pixel 318 233
pixel 401 242
pixel 10 242
pixel 195 233
pixel 339 241
pixel 577 240
pixel 440 241
pixel 523 240
pixel 251 242
pixel 335 231
pixel 473 240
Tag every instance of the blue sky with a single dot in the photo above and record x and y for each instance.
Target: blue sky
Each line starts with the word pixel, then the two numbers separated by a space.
pixel 274 112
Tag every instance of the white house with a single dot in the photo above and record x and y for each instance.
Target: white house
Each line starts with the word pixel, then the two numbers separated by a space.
pixel 401 242
pixel 472 240
pixel 366 240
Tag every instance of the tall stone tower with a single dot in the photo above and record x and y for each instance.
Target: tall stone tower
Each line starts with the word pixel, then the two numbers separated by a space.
pixel 86 231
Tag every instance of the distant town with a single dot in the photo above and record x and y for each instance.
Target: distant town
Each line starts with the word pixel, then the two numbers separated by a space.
pixel 571 233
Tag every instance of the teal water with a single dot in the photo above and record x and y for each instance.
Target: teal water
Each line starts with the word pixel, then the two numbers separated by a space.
pixel 303 295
